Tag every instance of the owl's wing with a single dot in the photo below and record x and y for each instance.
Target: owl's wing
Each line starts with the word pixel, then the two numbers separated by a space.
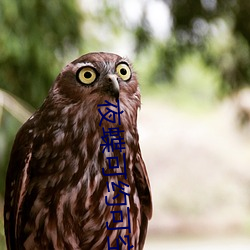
pixel 144 192
pixel 16 182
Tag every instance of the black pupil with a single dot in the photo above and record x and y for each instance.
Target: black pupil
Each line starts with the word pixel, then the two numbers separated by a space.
pixel 123 71
pixel 87 74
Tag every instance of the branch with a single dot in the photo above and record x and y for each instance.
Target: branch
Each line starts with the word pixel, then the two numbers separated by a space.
pixel 15 107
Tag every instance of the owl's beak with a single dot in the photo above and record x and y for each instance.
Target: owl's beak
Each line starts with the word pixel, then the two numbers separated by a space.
pixel 114 85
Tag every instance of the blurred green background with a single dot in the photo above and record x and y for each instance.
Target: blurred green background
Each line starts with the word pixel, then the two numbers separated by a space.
pixel 192 60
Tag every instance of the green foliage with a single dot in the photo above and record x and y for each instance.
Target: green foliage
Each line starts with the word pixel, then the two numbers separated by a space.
pixel 34 37
pixel 231 56
pixel 218 30
pixel 2 237
pixel 193 85
pixel 196 23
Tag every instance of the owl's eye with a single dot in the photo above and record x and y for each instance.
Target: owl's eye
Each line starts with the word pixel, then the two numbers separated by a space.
pixel 123 71
pixel 86 75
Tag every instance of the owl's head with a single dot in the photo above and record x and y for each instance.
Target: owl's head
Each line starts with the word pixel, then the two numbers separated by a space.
pixel 96 77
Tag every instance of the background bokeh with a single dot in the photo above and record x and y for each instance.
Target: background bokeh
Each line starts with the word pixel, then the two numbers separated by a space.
pixel 192 60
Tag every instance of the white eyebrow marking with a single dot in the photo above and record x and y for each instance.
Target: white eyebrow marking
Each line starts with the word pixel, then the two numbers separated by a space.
pixel 82 64
pixel 75 67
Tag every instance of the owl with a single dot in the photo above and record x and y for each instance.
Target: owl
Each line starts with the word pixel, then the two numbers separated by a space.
pixel 76 178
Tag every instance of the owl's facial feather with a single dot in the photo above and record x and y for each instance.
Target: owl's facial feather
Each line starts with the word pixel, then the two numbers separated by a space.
pixel 72 97
pixel 105 75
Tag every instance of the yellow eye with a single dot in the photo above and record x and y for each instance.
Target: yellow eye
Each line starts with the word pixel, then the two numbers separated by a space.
pixel 123 71
pixel 86 75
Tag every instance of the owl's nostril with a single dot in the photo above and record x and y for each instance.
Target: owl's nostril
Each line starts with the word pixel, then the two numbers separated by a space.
pixel 112 78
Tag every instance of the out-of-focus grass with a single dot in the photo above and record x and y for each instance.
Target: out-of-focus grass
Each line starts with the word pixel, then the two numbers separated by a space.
pixel 194 87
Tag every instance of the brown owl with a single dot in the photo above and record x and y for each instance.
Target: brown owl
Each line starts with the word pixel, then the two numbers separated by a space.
pixel 76 178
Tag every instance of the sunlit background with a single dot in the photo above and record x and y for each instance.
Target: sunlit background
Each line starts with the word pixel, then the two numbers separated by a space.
pixel 192 60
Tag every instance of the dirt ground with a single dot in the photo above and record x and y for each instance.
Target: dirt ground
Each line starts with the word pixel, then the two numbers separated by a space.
pixel 208 244
pixel 198 165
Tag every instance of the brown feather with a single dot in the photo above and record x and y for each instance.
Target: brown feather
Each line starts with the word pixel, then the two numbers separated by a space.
pixel 55 189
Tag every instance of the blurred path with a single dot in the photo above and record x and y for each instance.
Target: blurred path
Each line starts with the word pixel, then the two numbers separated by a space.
pixel 199 168
pixel 199 245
